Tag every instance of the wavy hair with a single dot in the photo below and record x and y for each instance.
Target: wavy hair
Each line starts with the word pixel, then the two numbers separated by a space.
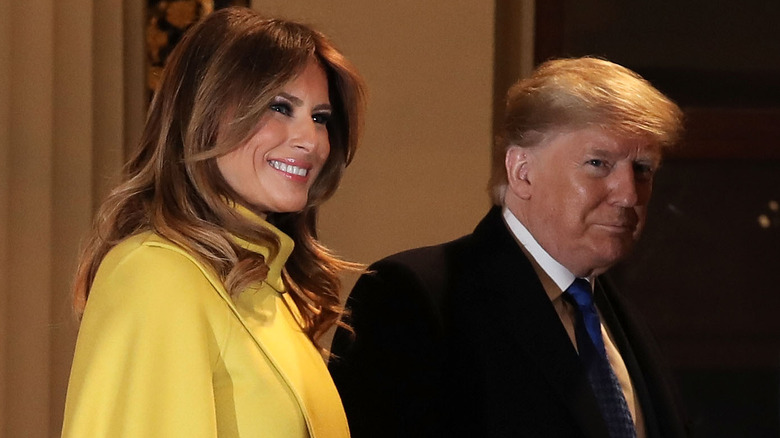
pixel 218 83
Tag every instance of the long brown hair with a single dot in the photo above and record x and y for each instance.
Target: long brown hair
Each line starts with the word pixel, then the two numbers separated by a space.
pixel 219 81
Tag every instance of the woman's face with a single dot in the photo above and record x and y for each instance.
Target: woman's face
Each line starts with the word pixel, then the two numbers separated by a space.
pixel 274 170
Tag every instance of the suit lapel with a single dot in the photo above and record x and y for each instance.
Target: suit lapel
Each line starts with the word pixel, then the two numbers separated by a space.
pixel 517 298
pixel 612 319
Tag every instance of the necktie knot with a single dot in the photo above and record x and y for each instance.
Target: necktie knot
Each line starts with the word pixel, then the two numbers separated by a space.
pixel 602 379
pixel 580 290
pixel 581 293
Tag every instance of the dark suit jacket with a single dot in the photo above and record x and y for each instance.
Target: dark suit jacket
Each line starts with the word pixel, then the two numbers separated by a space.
pixel 460 339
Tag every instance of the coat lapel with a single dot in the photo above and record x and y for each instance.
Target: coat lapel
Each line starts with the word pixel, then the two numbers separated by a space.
pixel 269 317
pixel 611 318
pixel 270 320
pixel 518 299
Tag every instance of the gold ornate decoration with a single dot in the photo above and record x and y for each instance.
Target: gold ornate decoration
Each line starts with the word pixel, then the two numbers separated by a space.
pixel 166 22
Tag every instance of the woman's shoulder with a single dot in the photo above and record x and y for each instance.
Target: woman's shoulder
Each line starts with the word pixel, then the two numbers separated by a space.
pixel 150 250
pixel 149 268
pixel 147 244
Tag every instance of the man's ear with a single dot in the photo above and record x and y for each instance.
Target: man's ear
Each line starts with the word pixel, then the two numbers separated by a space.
pixel 517 165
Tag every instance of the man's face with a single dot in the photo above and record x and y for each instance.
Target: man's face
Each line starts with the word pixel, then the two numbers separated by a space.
pixel 583 195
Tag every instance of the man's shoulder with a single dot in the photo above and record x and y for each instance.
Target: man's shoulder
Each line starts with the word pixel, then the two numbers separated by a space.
pixel 431 258
pixel 424 275
pixel 464 246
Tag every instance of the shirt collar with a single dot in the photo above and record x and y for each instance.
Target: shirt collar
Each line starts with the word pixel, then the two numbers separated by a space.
pixel 560 277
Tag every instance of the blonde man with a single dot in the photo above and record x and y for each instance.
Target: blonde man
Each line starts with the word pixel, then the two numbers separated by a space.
pixel 496 334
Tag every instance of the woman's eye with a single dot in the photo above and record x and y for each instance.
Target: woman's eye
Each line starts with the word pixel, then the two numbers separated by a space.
pixel 321 118
pixel 281 108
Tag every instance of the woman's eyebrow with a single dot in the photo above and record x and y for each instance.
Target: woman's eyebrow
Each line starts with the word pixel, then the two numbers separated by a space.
pixel 295 100
pixel 298 102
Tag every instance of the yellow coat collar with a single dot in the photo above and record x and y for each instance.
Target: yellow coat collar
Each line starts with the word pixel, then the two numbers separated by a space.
pixel 275 265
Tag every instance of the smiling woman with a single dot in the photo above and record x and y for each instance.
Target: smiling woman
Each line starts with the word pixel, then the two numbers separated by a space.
pixel 275 168
pixel 202 286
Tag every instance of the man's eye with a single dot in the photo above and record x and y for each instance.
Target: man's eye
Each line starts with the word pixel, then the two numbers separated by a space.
pixel 281 108
pixel 321 118
pixel 596 163
pixel 643 171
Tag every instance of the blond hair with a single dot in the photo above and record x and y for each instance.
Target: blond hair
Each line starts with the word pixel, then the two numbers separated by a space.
pixel 579 92
pixel 218 83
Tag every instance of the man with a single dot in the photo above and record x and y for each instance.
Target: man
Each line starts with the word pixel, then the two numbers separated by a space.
pixel 495 334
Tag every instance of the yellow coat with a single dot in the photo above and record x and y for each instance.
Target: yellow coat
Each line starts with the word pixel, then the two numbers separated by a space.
pixel 163 351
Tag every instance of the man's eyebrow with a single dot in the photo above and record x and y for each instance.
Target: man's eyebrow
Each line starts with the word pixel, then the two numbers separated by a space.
pixel 601 152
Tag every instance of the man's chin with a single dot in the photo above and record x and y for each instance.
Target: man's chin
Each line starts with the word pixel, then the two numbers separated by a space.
pixel 609 256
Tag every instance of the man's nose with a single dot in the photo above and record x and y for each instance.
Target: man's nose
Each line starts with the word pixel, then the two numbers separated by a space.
pixel 623 188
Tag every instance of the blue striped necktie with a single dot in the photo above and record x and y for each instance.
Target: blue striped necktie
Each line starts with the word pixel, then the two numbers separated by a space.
pixel 593 355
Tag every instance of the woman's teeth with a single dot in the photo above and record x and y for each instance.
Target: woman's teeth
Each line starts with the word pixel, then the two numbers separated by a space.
pixel 289 168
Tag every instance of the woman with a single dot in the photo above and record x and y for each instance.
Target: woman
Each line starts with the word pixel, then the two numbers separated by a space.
pixel 203 287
